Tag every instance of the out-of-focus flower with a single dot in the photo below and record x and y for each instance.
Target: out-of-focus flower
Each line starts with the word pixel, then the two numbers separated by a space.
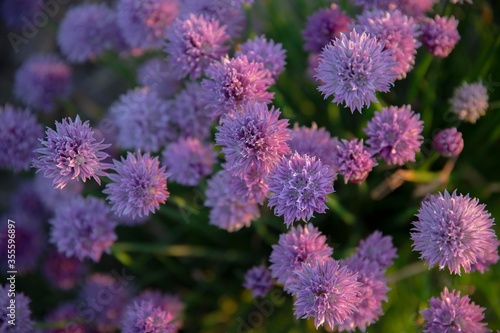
pixel 15 13
pixel 69 314
pixel 314 141
pixel 448 142
pixel 271 54
pixel 156 75
pixel 353 161
pixel 470 101
pixel 144 317
pixel 378 249
pixel 52 197
pixel 252 187
pixel 258 279
pixel 21 308
pixel 440 35
pixel 63 272
pixel 412 8
pixel 167 302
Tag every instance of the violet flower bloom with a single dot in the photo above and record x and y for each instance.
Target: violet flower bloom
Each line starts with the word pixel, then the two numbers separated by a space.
pixel 156 75
pixel 15 13
pixel 168 302
pixel 353 68
pixel 470 101
pixel 63 272
pixel 83 228
pixel 411 8
pixel 194 43
pixel 271 54
pixel 52 197
pixel 378 249
pixel 353 161
pixel 454 231
pixel 138 187
pixel 253 136
pixel 71 152
pixel 252 187
pixel 298 186
pixel 22 311
pixel 440 35
pixel 232 83
pixel 448 142
pixel 395 134
pixel 29 202
pixel 258 279
pixel 42 80
pixel 302 244
pixel 452 313
pixel 144 317
pixel 19 135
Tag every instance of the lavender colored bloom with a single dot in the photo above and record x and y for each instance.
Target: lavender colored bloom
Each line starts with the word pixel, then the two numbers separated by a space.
pixel 253 136
pixel 51 197
pixel 258 279
pixel 490 257
pixel 69 314
pixel 167 302
pixel 453 313
pixel 19 135
pixel 454 231
pixel 143 317
pixel 325 291
pixel 395 134
pixel 15 13
pixel 138 187
pixel 440 35
pixel 470 101
pixel 252 187
pixel 269 53
pixel 27 201
pixel 353 68
pixel 353 161
pixel 233 83
pixel 378 249
pixel 22 311
pixel 323 26
pixel 83 228
pixel 228 211
pixel 302 244
pixel 448 142
pixel 188 160
pixel 42 80
pixel 71 152
pixel 63 272
pixel 298 186
pixel 411 8
pixel 144 23
pixel 142 119
pixel 157 76
pixel 194 43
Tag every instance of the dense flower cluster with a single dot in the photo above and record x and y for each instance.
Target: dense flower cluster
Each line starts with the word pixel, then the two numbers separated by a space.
pixel 271 54
pixel 258 279
pixel 448 142
pixel 314 141
pixel 440 35
pixel 353 161
pixel 23 320
pixel 470 101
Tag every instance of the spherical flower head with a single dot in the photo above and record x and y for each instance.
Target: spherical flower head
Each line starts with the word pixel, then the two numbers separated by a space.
pixel 87 31
pixel 440 35
pixel 325 291
pixel 144 317
pixel 42 80
pixel 253 136
pixel 269 53
pixel 194 43
pixel 489 258
pixel 470 101
pixel 19 135
pixel 83 228
pixel 452 313
pixel 411 8
pixel 395 134
pixel 298 186
pixel 138 187
pixel 453 231
pixel 156 74
pixel 63 272
pixel 378 249
pixel 448 142
pixel 144 23
pixel 353 68
pixel 252 187
pixel 15 13
pixel 167 302
pixel 188 160
pixel 52 197
pixel 323 26
pixel 228 211
pixel 142 119
pixel 71 152
pixel 258 279
pixel 22 311
pixel 232 83
pixel 353 161
pixel 299 245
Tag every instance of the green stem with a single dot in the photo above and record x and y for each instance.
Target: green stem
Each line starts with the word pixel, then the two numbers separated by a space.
pixel 348 217
pixel 420 73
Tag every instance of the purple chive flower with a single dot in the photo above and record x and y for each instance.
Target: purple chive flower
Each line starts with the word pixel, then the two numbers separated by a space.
pixel 314 141
pixel 454 231
pixel 440 35
pixel 138 187
pixel 194 43
pixel 83 228
pixel 228 211
pixel 42 80
pixel 353 68
pixel 298 186
pixel 353 161
pixel 253 136
pixel 157 76
pixel 71 152
pixel 378 249
pixel 188 160
pixel 448 142
pixel 399 34
pixel 269 53
pixel 144 23
pixel 63 272
pixel 302 244
pixel 87 31
pixel 19 135
pixel 15 13
pixel 167 302
pixel 490 257
pixel 323 26
pixel 252 187
pixel 69 314
pixel 144 317
pixel 452 313
pixel 395 134
pixel 21 310
pixel 142 119
pixel 470 101
pixel 410 8
pixel 51 197
pixel 258 279
pixel 233 83
pixel 325 291
pixel 24 199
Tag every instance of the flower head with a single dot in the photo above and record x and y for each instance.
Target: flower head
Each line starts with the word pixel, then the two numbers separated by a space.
pixel 258 279
pixel 440 35
pixel 453 231
pixel 23 322
pixel 13 12
pixel 378 249
pixel 395 134
pixel 353 68
pixel 156 75
pixel 470 101
pixel 167 302
pixel 252 187
pixel 448 142
pixel 314 141
pixel 411 8
pixel 269 53
pixel 63 272
pixel 144 317
pixel 353 161
pixel 52 197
